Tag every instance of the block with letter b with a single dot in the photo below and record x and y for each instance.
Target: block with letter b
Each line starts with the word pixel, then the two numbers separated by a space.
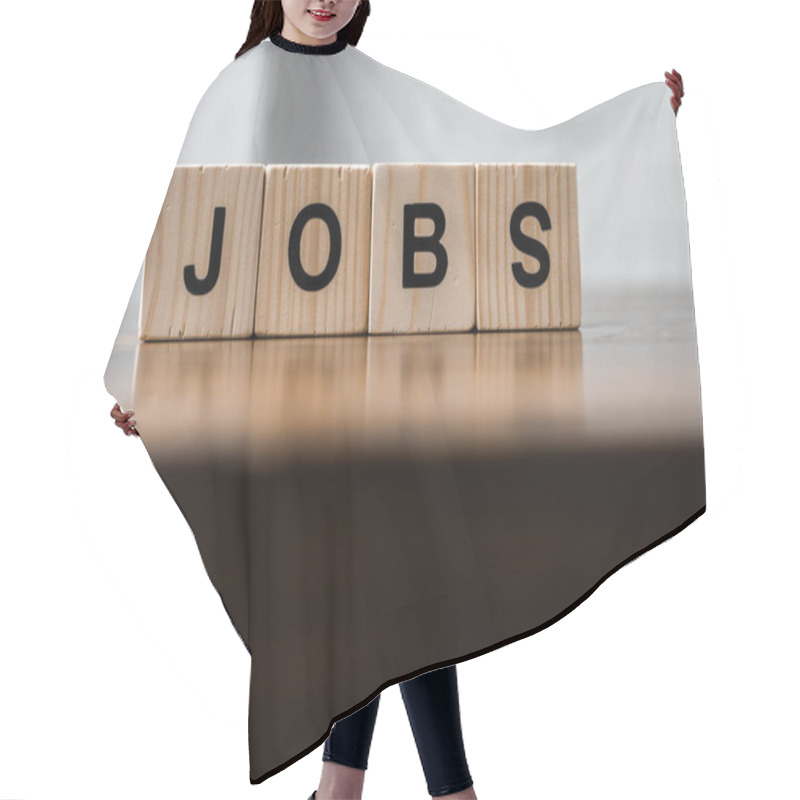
pixel 528 258
pixel 422 275
pixel 201 266
pixel 313 276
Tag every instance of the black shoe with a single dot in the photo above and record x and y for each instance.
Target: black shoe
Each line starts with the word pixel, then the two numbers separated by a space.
pixel 313 795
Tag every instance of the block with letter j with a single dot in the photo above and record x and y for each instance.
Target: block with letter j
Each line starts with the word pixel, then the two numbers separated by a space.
pixel 201 266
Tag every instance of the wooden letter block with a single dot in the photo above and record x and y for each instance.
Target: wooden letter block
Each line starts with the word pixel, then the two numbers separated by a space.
pixel 200 269
pixel 423 248
pixel 527 247
pixel 313 275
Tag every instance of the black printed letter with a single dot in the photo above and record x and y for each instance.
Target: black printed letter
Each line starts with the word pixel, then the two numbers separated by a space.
pixel 313 283
pixel 197 285
pixel 423 244
pixel 532 247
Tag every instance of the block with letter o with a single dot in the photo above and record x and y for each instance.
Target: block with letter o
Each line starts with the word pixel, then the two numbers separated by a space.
pixel 313 274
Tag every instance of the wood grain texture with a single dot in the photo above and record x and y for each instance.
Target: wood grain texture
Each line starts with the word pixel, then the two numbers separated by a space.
pixel 183 236
pixel 502 302
pixel 450 305
pixel 286 308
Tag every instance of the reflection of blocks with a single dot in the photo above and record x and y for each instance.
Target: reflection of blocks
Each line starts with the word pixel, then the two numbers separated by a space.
pixel 200 269
pixel 314 260
pixel 183 388
pixel 528 259
pixel 422 276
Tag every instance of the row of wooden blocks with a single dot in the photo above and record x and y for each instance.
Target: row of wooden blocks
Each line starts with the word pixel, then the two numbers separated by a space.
pixel 292 250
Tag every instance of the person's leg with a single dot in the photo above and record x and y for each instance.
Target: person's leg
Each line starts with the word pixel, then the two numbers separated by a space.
pixel 433 710
pixel 346 753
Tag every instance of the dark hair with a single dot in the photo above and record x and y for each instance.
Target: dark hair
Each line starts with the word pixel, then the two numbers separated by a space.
pixel 266 18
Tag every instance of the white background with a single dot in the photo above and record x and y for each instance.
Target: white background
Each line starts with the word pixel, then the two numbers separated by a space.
pixel 120 673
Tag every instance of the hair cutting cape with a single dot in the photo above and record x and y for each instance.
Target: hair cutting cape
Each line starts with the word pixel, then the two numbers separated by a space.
pixel 370 508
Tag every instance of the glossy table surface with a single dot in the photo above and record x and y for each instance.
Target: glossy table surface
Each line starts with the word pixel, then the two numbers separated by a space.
pixel 628 376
